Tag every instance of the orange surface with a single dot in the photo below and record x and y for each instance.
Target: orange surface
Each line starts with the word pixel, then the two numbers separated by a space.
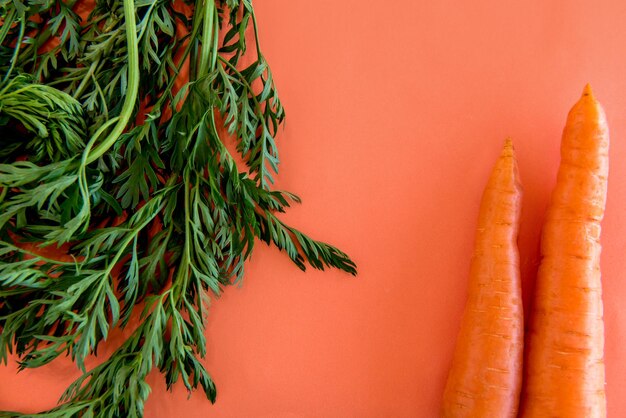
pixel 396 112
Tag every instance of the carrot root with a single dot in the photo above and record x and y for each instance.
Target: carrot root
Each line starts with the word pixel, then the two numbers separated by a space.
pixel 485 377
pixel 565 368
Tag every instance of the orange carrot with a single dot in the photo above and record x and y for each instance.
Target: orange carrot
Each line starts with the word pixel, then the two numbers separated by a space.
pixel 565 370
pixel 485 378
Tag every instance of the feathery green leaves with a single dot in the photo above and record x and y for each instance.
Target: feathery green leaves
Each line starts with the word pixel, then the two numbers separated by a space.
pixel 114 153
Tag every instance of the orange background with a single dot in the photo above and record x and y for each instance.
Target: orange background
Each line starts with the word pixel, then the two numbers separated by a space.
pixel 396 112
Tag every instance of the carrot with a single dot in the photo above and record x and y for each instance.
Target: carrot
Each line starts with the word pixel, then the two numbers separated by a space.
pixel 486 373
pixel 565 369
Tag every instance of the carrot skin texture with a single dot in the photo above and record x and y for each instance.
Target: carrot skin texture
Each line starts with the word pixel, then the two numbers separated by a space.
pixel 486 373
pixel 565 374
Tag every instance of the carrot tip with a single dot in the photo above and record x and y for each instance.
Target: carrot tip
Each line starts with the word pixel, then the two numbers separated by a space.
pixel 587 91
pixel 508 150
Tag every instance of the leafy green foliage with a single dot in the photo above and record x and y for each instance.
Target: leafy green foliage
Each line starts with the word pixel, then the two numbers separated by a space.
pixel 50 119
pixel 107 157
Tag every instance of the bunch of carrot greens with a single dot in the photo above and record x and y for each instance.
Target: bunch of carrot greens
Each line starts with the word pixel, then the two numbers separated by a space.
pixel 104 156
pixel 564 372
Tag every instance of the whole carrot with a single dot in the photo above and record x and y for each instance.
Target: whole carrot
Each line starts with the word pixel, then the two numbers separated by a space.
pixel 486 373
pixel 565 370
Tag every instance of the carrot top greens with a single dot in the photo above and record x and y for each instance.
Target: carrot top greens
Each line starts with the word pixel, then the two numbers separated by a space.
pixel 105 156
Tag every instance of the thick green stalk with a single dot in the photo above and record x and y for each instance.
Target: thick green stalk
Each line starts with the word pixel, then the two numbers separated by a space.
pixel 208 31
pixel 132 89
pixel 6 25
pixel 18 44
